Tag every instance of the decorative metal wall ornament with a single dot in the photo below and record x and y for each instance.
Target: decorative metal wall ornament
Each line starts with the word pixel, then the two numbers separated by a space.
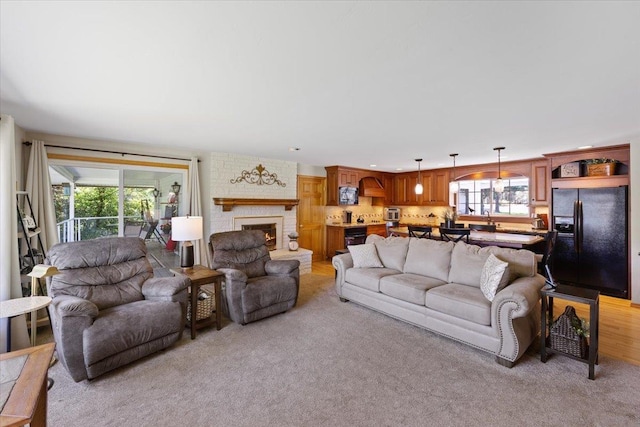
pixel 259 175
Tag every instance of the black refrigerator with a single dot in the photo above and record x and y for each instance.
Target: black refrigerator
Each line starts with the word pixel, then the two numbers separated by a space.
pixel 592 246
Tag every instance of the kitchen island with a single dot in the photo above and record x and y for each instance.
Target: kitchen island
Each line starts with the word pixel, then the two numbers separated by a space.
pixel 485 238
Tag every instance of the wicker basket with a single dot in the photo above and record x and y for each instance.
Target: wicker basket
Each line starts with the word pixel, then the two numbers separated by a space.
pixel 564 337
pixel 204 307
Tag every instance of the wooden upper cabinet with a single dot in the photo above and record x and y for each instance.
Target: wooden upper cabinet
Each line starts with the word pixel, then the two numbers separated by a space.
pixel 389 193
pixel 348 177
pixel 405 189
pixel 539 183
pixel 435 185
pixel 332 186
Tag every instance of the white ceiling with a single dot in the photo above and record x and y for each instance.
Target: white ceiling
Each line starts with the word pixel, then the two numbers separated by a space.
pixel 352 83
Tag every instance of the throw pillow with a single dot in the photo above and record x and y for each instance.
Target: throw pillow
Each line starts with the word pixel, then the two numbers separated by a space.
pixel 364 256
pixel 494 277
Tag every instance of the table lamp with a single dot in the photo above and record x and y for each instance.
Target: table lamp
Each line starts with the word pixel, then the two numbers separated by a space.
pixel 39 271
pixel 185 229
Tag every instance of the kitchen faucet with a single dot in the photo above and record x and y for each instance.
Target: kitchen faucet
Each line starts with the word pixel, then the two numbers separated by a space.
pixel 489 220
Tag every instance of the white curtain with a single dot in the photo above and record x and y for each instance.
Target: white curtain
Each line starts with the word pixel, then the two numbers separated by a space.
pixel 39 189
pixel 195 209
pixel 9 262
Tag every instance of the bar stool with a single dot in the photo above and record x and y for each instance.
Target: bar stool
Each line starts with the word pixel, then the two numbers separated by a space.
pixel 420 231
pixel 454 234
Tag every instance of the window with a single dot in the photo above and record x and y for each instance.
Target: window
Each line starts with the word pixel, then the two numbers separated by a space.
pixel 476 197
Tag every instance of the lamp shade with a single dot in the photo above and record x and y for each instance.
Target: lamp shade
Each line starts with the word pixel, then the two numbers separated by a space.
pixel 186 228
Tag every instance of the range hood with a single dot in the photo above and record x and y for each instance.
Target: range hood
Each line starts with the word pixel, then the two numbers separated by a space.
pixel 371 187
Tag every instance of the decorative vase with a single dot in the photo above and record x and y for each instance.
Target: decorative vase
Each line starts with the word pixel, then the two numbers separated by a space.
pixel 449 223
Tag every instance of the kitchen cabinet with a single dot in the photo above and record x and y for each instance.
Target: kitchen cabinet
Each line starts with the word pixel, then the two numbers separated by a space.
pixel 435 185
pixel 389 194
pixel 335 240
pixel 332 186
pixel 538 183
pixel 379 229
pixel 405 189
pixel 348 177
pixel 337 177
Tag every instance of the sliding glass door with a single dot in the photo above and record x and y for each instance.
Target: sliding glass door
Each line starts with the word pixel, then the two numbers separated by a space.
pixel 93 200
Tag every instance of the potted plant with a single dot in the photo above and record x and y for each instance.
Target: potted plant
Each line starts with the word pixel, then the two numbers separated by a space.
pixel 450 216
pixel 601 167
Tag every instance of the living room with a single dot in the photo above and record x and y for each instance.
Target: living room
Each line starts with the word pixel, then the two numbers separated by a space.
pixel 296 87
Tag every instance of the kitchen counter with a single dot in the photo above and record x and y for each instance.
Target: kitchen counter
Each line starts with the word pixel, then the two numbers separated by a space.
pixel 353 224
pixel 485 238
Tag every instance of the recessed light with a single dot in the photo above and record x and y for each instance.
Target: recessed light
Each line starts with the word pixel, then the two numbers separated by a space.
pixel 294 148
pixel 398 169
pixel 584 147
pixel 373 166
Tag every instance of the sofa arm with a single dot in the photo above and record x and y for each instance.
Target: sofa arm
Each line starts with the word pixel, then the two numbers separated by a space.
pixel 281 267
pixel 515 313
pixel 68 305
pixel 164 288
pixel 70 316
pixel 341 263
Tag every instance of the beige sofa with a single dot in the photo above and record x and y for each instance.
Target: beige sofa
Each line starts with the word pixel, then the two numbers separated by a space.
pixel 437 286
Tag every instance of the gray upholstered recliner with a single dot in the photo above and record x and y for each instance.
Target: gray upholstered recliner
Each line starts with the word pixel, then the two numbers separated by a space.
pixel 255 285
pixel 108 309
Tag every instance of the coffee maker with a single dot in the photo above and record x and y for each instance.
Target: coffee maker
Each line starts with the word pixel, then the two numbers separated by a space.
pixel 346 217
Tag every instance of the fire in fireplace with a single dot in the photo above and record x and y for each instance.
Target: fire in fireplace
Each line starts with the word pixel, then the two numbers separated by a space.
pixel 270 233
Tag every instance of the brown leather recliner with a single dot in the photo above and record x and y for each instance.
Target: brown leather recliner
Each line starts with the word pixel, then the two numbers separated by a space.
pixel 255 285
pixel 107 309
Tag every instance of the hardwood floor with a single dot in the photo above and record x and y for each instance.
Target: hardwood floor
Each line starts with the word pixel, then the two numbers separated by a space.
pixel 619 322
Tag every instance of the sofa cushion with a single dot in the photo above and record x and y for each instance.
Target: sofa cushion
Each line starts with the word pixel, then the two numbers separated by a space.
pixel 467 262
pixel 494 277
pixel 392 250
pixel 429 258
pixel 368 278
pixel 364 256
pixel 522 263
pixel 265 291
pixel 462 301
pixel 408 287
pixel 111 333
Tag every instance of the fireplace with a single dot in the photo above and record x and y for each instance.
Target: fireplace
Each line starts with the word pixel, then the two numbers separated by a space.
pixel 269 230
pixel 272 227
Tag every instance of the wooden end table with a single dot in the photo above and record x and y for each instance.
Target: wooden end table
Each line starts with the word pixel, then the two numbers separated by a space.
pixel 27 369
pixel 199 276
pixel 580 295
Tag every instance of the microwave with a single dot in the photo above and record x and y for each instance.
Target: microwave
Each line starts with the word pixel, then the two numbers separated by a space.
pixel 392 214
pixel 348 195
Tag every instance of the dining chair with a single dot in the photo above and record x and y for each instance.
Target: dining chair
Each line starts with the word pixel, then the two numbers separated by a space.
pixel 420 231
pixel 454 234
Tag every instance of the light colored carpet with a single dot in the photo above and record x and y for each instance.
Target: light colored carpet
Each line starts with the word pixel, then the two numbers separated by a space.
pixel 330 363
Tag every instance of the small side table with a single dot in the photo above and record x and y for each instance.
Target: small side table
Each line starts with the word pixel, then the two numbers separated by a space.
pixel 17 306
pixel 26 401
pixel 580 295
pixel 199 276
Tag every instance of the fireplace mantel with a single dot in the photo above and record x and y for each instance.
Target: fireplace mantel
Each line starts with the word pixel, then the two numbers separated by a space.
pixel 229 203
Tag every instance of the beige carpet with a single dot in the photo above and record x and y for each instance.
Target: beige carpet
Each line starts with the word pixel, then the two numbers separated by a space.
pixel 338 364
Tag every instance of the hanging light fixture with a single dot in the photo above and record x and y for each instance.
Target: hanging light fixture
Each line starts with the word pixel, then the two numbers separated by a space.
pixel 453 185
pixel 419 184
pixel 498 185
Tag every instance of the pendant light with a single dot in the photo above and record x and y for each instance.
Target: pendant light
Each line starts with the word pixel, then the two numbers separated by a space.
pixel 453 185
pixel 498 185
pixel 419 184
